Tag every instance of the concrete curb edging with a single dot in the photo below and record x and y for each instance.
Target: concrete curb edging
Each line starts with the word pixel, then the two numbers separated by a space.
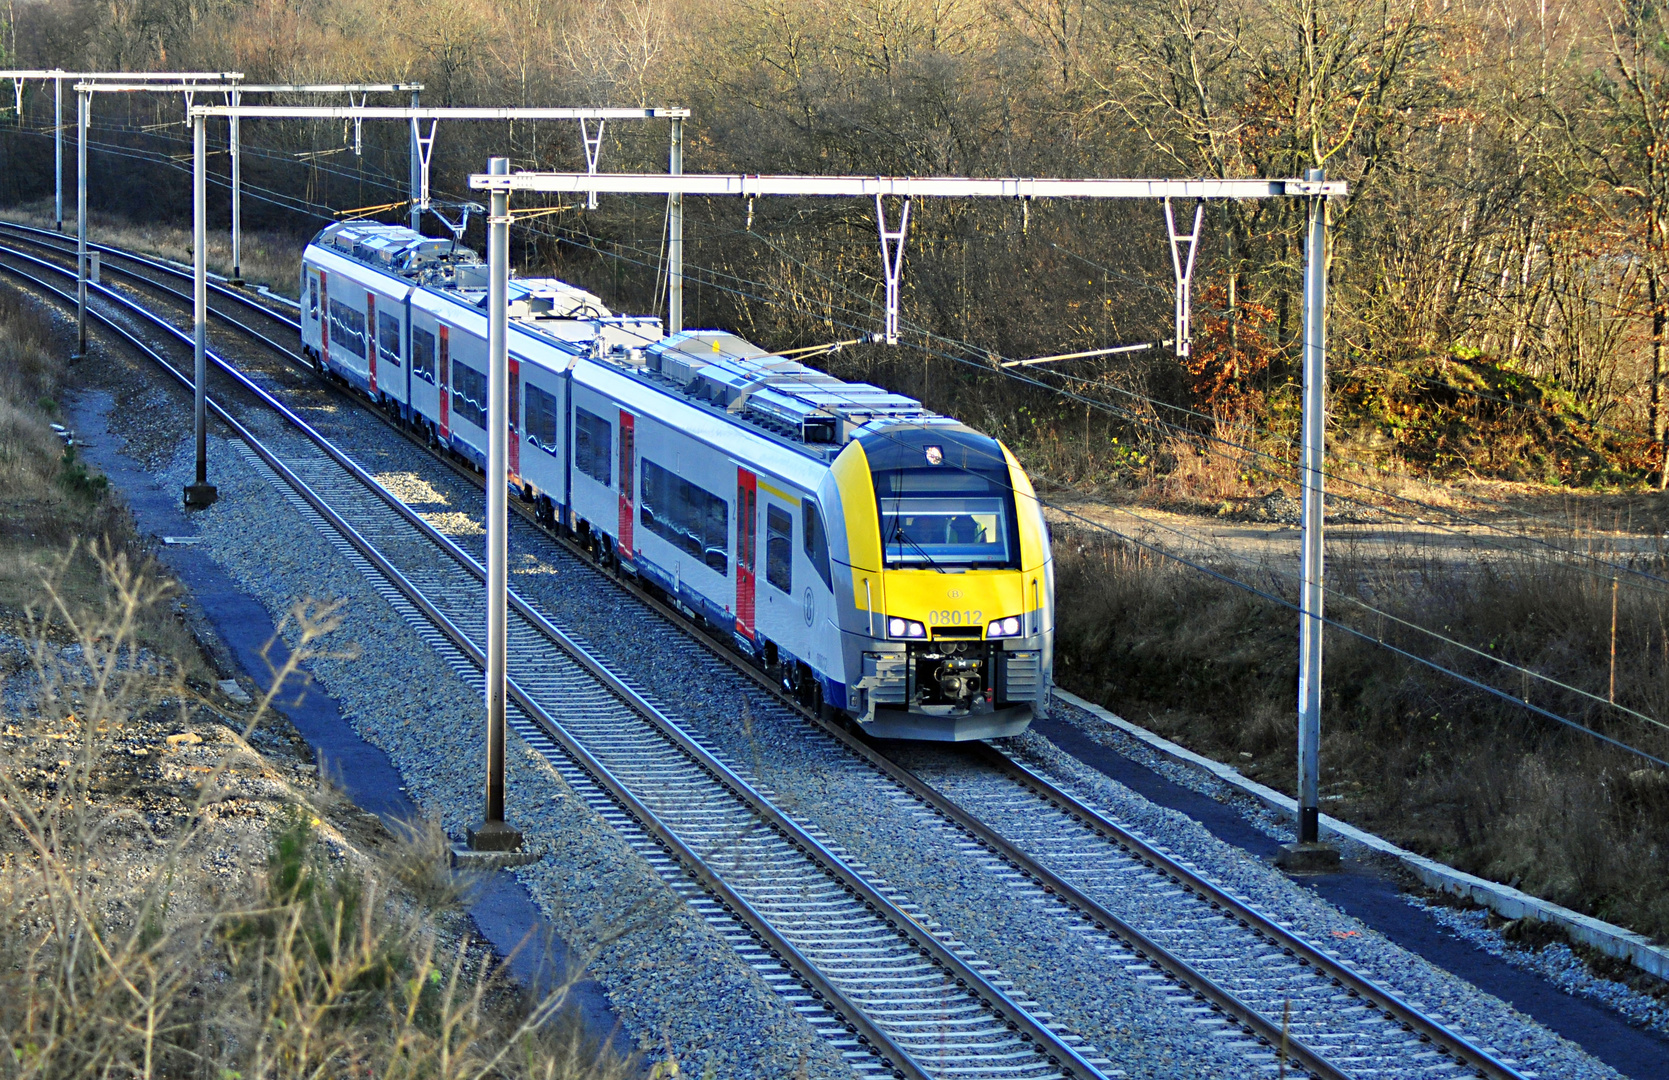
pixel 1505 901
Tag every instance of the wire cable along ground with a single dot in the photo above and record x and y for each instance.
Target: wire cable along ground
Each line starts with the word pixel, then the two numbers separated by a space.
pixel 560 717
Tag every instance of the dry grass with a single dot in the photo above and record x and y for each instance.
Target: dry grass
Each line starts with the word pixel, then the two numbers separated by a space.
pixel 123 955
pixel 1212 471
pixel 48 497
pixel 270 259
pixel 1407 752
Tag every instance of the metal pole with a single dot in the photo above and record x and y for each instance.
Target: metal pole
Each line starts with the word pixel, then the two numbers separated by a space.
pixel 58 151
pixel 202 493
pixel 675 237
pixel 494 834
pixel 83 105
pixel 416 173
pixel 1315 427
pixel 237 198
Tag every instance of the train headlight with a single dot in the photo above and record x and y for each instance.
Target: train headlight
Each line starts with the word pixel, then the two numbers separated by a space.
pixel 1009 627
pixel 905 628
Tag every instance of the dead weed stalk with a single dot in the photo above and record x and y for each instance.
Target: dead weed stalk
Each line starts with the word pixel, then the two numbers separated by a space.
pixel 122 953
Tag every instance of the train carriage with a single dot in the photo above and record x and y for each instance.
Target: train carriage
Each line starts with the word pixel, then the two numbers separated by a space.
pixel 893 564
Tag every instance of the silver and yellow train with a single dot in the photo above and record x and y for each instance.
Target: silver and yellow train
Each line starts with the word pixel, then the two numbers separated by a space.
pixel 894 564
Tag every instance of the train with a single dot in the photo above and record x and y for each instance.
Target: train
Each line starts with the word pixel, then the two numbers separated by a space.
pixel 891 563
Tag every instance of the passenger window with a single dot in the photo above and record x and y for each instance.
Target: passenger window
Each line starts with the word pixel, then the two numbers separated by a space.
pixel 388 339
pixel 779 548
pixel 541 419
pixel 313 297
pixel 347 328
pixel 690 517
pixel 423 354
pixel 469 395
pixel 593 446
pixel 816 540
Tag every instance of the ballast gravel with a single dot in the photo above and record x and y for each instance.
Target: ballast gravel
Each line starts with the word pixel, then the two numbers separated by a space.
pixel 673 981
pixel 1556 963
pixel 1482 1017
pixel 1003 922
pixel 1022 933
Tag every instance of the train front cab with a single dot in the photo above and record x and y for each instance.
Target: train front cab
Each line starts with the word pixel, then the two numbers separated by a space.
pixel 948 634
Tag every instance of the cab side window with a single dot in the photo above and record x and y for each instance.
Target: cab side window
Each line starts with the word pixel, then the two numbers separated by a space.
pixel 779 548
pixel 816 540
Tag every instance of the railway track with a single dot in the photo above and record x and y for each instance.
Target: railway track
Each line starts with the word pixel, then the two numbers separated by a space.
pixel 1255 982
pixel 857 963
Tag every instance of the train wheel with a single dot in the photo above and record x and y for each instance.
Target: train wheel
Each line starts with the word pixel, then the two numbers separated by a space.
pixel 804 685
pixel 818 706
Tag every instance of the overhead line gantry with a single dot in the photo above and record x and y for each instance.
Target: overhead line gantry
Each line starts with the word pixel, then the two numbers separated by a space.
pixel 233 92
pixel 20 77
pixel 202 493
pixel 1314 187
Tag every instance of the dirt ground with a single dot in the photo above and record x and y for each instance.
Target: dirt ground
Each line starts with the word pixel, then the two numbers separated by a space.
pixel 1629 529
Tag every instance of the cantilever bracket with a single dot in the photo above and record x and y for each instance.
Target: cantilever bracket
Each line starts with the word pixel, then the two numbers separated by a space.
pixel 593 148
pixel 17 90
pixel 189 93
pixel 1183 249
pixel 465 209
pixel 358 121
pixel 892 261
pixel 425 147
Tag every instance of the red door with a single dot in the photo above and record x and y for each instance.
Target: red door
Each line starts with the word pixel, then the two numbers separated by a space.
pixel 628 458
pixel 324 322
pixel 514 442
pixel 747 540
pixel 445 376
pixel 371 340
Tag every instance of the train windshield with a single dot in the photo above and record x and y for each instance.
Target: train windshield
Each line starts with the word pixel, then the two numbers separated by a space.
pixel 944 518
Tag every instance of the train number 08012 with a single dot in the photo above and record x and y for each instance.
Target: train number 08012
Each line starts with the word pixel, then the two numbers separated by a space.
pixel 955 618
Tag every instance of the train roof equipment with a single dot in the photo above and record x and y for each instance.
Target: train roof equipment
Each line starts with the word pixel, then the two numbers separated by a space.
pixel 794 403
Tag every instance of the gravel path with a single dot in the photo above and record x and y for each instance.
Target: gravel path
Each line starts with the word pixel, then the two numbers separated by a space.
pixel 1556 963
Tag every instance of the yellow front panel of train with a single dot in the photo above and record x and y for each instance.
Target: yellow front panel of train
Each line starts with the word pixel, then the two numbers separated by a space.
pixel 971 598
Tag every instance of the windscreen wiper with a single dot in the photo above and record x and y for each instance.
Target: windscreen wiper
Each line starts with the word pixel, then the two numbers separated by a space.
pixel 899 534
